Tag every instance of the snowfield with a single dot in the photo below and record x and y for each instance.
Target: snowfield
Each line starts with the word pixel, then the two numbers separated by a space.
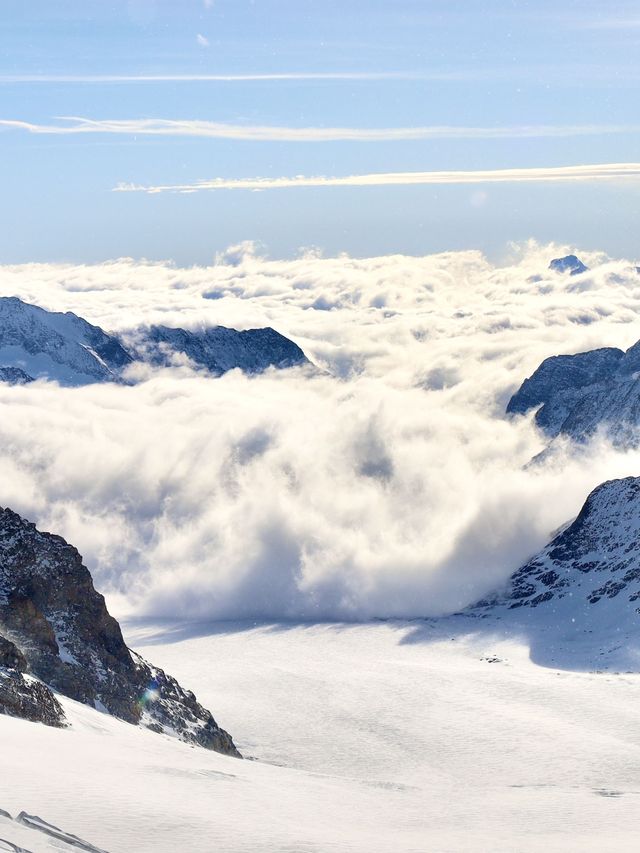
pixel 378 737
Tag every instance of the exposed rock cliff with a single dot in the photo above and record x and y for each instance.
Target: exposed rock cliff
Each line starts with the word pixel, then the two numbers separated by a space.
pixel 56 627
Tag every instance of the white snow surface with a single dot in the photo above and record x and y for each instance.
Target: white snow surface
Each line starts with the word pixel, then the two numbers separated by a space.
pixel 376 737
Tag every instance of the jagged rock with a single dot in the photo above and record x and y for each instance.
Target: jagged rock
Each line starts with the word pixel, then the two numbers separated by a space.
pixel 51 612
pixel 14 376
pixel 63 347
pixel 591 562
pixel 29 699
pixel 217 349
pixel 580 394
pixel 570 264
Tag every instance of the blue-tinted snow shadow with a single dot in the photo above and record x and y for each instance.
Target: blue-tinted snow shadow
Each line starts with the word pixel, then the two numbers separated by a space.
pixel 155 632
pixel 575 647
pixel 578 647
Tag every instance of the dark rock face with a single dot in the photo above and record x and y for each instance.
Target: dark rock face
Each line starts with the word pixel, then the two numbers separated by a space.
pixel 582 393
pixel 14 376
pixel 594 560
pixel 28 699
pixel 217 349
pixel 53 617
pixel 570 264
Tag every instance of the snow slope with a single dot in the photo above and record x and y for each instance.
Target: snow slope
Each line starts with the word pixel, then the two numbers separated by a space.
pixel 57 346
pixel 374 738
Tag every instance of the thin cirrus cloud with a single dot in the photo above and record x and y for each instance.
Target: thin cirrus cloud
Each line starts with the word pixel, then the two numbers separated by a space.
pixel 553 174
pixel 222 78
pixel 267 133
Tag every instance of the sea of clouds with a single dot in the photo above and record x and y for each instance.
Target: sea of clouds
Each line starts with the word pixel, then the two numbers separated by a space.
pixel 386 482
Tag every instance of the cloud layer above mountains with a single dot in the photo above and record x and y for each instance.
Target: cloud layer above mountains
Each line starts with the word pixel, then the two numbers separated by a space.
pixel 386 484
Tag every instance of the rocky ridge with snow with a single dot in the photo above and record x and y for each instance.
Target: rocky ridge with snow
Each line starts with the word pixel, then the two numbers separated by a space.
pixel 56 633
pixel 577 395
pixel 217 349
pixel 590 571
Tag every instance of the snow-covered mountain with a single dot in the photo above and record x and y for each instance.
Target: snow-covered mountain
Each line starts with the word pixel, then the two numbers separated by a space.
pixel 56 634
pixel 217 348
pixel 581 593
pixel 579 394
pixel 35 343
pixel 57 346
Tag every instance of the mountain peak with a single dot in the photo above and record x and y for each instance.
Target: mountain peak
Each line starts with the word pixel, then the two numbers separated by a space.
pixel 569 263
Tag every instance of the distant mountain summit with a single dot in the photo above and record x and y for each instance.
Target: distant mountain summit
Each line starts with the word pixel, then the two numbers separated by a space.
pixel 570 264
pixel 35 344
pixel 57 635
pixel 579 394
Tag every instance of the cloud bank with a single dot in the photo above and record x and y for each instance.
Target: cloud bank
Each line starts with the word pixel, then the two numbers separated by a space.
pixel 551 174
pixel 389 484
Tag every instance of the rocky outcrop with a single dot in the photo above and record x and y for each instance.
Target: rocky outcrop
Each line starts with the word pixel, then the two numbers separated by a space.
pixel 58 628
pixel 217 349
pixel 28 699
pixel 14 376
pixel 36 832
pixel 578 395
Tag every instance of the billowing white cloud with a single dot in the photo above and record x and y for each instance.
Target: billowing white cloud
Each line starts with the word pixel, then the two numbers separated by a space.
pixel 274 133
pixel 551 174
pixel 388 483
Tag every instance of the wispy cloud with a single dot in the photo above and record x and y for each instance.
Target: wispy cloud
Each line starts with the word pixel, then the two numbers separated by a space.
pixel 553 174
pixel 262 133
pixel 612 23
pixel 203 41
pixel 222 78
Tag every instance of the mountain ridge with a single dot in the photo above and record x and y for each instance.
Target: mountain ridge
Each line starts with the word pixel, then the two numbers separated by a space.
pixel 40 344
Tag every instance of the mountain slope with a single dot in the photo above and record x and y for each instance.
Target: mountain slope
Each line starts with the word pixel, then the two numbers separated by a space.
pixel 55 626
pixel 35 343
pixel 63 347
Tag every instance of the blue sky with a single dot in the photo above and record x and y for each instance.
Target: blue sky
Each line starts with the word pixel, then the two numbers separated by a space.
pixel 228 87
